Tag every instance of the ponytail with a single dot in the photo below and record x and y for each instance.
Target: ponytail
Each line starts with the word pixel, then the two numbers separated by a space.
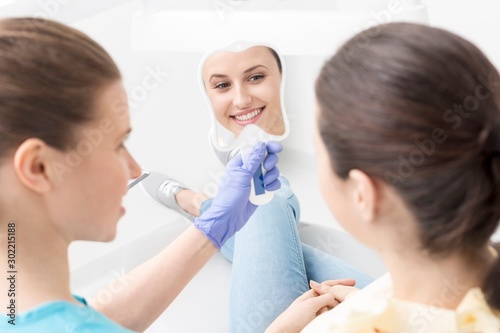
pixel 491 287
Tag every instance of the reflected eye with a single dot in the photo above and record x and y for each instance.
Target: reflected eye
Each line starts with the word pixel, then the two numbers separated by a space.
pixel 256 77
pixel 221 85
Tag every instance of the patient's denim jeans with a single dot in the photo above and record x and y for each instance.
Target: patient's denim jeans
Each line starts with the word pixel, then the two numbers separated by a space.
pixel 271 267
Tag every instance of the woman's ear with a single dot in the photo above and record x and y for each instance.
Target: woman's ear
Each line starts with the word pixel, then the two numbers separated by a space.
pixel 30 165
pixel 365 194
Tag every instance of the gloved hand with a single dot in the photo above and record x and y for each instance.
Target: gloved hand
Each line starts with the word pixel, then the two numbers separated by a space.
pixel 231 208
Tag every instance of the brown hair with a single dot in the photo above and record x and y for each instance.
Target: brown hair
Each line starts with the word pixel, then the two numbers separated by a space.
pixel 50 75
pixel 276 57
pixel 419 108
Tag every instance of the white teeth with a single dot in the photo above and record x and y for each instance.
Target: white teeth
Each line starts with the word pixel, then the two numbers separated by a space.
pixel 249 115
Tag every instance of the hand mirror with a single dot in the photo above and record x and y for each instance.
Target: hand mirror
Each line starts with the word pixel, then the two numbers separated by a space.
pixel 243 85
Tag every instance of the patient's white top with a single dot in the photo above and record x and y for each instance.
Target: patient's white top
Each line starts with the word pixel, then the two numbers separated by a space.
pixel 374 310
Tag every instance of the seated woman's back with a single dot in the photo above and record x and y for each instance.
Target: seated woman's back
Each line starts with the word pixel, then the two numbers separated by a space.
pixel 409 156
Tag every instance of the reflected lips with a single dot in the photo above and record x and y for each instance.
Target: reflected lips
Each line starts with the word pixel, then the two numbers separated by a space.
pixel 253 120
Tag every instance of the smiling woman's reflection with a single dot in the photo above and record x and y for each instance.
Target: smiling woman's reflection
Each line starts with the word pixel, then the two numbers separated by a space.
pixel 244 88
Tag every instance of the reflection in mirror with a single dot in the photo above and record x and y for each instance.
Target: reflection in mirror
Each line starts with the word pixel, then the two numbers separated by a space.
pixel 243 84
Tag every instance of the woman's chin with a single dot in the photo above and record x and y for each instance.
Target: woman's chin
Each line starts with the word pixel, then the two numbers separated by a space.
pixel 102 235
pixel 110 237
pixel 105 238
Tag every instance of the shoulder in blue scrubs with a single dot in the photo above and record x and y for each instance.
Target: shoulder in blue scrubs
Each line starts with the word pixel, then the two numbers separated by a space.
pixel 62 317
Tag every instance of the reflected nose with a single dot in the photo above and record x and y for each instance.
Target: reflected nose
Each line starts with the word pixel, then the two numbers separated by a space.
pixel 242 97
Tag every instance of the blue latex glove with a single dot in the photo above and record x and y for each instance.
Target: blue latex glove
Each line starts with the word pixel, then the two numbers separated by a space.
pixel 231 209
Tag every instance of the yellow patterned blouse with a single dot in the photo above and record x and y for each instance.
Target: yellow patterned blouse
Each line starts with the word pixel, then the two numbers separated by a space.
pixel 373 310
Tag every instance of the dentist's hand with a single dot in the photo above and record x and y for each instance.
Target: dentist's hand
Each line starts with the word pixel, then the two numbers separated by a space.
pixel 231 209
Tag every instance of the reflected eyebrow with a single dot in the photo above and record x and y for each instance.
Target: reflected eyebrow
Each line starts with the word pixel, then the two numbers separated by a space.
pixel 254 67
pixel 222 76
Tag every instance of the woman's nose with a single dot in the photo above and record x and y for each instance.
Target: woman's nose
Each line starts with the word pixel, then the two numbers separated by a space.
pixel 242 97
pixel 135 169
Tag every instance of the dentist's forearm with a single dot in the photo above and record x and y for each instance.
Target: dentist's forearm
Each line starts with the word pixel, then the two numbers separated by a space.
pixel 153 285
